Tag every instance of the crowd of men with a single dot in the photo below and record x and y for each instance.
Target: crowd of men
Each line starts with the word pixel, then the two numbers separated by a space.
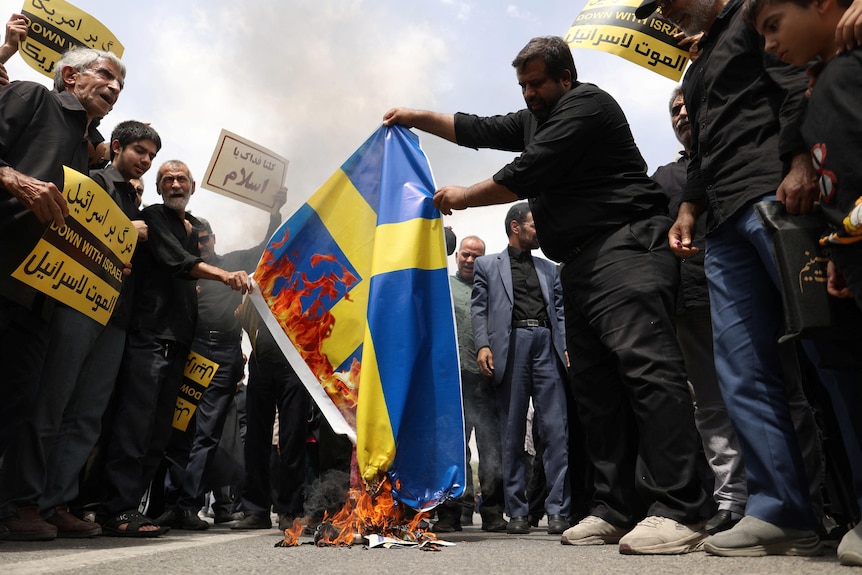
pixel 647 360
pixel 91 408
pixel 738 116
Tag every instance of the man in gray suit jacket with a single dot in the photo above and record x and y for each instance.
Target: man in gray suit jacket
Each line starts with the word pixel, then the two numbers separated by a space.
pixel 518 328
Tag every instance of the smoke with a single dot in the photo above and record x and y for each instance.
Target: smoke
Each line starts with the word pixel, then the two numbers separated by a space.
pixel 328 493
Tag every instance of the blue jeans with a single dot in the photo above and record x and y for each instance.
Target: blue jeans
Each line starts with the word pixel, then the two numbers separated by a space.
pixel 747 320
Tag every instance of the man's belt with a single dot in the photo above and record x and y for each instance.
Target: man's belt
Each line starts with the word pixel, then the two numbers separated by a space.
pixel 220 336
pixel 531 323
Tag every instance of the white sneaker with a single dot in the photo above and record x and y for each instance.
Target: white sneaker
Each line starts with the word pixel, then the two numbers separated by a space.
pixel 850 548
pixel 753 537
pixel 662 536
pixel 592 530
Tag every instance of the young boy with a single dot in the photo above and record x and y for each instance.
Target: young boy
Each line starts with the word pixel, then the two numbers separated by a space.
pixel 799 31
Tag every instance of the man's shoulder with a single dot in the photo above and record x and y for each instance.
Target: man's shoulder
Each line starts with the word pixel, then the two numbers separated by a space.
pixel 547 265
pixel 489 259
pixel 29 93
pixel 26 87
pixel 108 174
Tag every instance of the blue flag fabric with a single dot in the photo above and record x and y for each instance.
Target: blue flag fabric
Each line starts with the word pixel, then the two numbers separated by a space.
pixel 357 282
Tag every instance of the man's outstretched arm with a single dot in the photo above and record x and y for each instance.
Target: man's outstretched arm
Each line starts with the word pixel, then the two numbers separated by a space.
pixel 441 125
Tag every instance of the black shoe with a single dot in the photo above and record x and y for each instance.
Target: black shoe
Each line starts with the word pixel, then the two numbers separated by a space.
pixel 446 525
pixel 182 519
pixel 518 525
pixel 226 517
pixel 494 524
pixel 253 522
pixel 721 521
pixel 534 519
pixel 557 524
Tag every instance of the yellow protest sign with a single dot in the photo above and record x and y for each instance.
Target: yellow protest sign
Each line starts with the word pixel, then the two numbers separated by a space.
pixel 611 26
pixel 198 373
pixel 55 27
pixel 81 264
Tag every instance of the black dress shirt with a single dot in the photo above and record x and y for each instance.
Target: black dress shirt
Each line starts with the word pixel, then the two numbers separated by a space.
pixel 744 105
pixel 693 289
pixel 165 303
pixel 122 192
pixel 40 132
pixel 526 290
pixel 216 301
pixel 580 167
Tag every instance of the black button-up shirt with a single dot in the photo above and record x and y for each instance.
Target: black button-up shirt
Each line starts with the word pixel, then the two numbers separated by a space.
pixel 744 105
pixel 580 167
pixel 122 192
pixel 40 132
pixel 166 302
pixel 529 303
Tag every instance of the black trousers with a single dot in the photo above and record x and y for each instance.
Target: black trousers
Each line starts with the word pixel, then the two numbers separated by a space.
pixel 145 400
pixel 271 385
pixel 628 376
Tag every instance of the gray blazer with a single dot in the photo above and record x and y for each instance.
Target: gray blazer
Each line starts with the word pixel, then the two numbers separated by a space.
pixel 493 300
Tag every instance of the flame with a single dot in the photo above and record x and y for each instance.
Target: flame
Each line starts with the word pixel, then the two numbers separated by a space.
pixel 367 512
pixel 309 329
pixel 291 534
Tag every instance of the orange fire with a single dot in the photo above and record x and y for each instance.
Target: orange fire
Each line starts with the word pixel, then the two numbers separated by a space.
pixel 367 513
pixel 309 329
pixel 291 534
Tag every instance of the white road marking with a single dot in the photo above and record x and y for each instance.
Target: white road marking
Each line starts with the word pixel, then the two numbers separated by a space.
pixel 79 559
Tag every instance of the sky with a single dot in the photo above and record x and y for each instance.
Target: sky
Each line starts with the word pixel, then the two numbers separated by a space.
pixel 311 80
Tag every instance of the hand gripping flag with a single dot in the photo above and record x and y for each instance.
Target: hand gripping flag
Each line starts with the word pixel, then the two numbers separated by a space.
pixel 355 290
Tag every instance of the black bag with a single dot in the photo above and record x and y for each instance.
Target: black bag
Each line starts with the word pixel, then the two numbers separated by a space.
pixel 809 310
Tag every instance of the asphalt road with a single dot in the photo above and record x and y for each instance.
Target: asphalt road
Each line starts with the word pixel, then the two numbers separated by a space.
pixel 221 550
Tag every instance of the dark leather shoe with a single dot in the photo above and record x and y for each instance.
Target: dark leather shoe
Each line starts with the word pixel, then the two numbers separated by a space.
pixel 721 521
pixel 186 519
pixel 518 525
pixel 226 517
pixel 27 525
pixel 494 524
pixel 446 525
pixel 557 524
pixel 70 526
pixel 253 522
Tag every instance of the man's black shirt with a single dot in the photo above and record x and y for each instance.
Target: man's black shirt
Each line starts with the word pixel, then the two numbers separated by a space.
pixel 122 192
pixel 744 105
pixel 580 167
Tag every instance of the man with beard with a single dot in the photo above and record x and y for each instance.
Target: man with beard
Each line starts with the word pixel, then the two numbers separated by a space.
pixel 694 330
pixel 218 337
pixel 479 411
pixel 80 367
pixel 160 333
pixel 745 106
pixel 598 213
pixel 40 132
pixel 519 335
